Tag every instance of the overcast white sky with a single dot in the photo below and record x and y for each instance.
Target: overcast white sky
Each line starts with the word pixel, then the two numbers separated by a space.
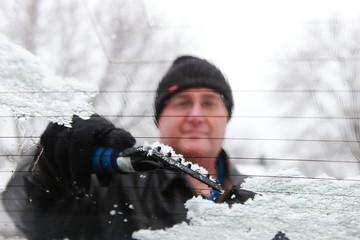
pixel 243 37
pixel 253 28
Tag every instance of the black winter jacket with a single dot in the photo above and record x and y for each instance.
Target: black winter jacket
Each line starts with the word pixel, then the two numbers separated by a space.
pixel 117 206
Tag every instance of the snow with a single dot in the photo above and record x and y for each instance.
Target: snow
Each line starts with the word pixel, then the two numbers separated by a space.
pixel 112 212
pixel 303 208
pixel 25 86
pixel 165 149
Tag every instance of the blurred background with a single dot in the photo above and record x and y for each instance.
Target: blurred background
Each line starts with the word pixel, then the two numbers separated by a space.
pixel 293 66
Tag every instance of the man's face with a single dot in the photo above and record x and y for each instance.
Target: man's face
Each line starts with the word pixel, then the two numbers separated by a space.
pixel 193 122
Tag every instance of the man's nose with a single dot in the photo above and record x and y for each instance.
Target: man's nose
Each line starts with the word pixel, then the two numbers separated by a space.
pixel 196 114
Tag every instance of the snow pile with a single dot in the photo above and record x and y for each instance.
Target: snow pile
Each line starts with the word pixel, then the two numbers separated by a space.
pixel 28 88
pixel 303 208
pixel 166 149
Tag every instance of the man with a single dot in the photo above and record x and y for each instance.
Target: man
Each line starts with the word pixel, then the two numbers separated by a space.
pixel 54 194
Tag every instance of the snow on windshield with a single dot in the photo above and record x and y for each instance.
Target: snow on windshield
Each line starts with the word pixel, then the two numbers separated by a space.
pixel 28 88
pixel 303 208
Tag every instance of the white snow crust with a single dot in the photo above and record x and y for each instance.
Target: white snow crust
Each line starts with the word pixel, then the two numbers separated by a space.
pixel 29 88
pixel 165 149
pixel 302 208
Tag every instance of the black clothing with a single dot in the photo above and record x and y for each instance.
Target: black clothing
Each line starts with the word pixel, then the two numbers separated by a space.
pixel 117 205
pixel 68 151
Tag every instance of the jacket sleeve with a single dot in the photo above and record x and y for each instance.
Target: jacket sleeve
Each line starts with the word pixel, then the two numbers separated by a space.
pixel 35 202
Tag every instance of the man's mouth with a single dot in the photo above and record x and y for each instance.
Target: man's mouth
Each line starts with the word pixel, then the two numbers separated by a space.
pixel 195 134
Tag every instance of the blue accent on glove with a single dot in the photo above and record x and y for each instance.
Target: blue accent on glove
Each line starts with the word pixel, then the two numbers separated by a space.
pixel 104 161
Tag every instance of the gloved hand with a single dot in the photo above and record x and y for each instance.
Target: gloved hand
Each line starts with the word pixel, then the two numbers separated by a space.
pixel 110 160
pixel 69 151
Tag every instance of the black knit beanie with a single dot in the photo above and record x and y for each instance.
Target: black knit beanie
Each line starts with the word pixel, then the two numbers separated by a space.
pixel 191 72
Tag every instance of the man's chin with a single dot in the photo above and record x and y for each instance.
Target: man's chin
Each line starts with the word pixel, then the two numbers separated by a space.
pixel 194 151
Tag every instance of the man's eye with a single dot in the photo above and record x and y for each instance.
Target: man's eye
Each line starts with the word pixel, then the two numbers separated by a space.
pixel 208 104
pixel 183 103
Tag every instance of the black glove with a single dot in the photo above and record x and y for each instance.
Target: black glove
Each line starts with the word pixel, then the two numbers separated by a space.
pixel 280 236
pixel 69 151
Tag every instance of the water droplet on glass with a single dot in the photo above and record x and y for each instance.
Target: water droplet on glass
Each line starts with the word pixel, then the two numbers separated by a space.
pixel 125 220
pixel 112 212
pixel 115 205
pixel 142 176
pixel 30 200
pixel 131 206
